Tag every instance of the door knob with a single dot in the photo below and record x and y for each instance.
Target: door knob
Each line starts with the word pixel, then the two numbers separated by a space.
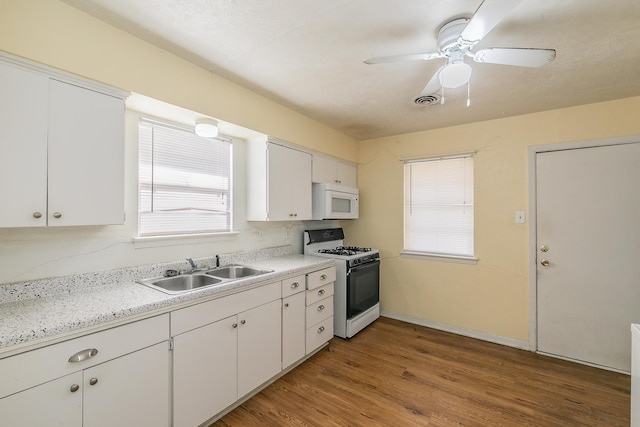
pixel 544 262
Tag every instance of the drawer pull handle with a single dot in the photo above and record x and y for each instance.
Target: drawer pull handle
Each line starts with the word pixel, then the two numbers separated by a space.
pixel 74 388
pixel 320 308
pixel 83 355
pixel 321 292
pixel 321 329
pixel 37 215
pixel 295 285
pixel 93 381
pixel 323 277
pixel 57 215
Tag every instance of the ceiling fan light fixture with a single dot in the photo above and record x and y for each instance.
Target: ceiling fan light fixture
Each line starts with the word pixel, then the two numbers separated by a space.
pixel 206 128
pixel 455 74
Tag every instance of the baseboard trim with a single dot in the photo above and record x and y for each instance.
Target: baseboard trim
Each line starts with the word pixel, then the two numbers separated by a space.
pixel 496 339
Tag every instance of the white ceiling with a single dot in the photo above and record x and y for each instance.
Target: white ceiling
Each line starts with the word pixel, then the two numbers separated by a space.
pixel 308 54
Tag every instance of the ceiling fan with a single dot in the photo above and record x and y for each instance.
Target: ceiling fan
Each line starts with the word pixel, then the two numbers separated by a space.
pixel 456 40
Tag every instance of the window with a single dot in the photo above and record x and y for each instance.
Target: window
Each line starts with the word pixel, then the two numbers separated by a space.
pixel 184 182
pixel 438 207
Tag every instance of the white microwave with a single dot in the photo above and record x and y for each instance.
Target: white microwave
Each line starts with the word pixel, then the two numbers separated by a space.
pixel 333 201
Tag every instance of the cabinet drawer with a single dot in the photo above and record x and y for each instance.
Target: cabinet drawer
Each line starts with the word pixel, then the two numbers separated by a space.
pixel 319 311
pixel 45 364
pixel 319 334
pixel 292 286
pixel 321 277
pixel 315 295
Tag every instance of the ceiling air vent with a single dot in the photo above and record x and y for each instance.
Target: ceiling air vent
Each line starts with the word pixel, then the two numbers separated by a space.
pixel 426 100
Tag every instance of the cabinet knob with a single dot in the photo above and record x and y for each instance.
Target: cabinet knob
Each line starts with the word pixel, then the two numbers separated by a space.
pixel 321 329
pixel 320 308
pixel 93 381
pixel 321 292
pixel 323 277
pixel 294 285
pixel 57 215
pixel 74 388
pixel 286 304
pixel 235 325
pixel 37 215
pixel 242 322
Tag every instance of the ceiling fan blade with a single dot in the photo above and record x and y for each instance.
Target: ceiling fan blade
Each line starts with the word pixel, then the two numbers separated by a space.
pixel 434 84
pixel 488 15
pixel 397 58
pixel 521 57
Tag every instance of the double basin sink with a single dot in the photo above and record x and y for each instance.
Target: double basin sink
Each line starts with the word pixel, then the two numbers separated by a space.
pixel 198 280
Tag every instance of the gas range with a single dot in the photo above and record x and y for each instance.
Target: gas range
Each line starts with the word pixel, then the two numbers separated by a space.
pixel 356 297
pixel 329 243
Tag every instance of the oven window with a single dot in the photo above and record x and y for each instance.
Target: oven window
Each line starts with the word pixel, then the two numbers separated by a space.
pixel 363 288
pixel 340 205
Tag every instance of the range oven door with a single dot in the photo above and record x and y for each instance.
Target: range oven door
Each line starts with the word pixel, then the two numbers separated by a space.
pixel 363 288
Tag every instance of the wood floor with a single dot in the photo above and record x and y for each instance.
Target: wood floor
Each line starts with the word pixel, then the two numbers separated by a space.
pixel 399 374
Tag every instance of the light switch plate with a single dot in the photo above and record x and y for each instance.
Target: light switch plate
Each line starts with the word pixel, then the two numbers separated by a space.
pixel 519 217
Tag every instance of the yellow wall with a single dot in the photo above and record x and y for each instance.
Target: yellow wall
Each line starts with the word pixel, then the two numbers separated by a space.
pixel 58 35
pixel 492 296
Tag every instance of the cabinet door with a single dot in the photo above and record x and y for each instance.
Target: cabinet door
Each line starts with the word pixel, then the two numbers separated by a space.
pixel 289 188
pixel 259 346
pixel 23 147
pixel 86 157
pixel 347 175
pixel 204 372
pixel 132 390
pixel 324 170
pixel 293 329
pixel 49 404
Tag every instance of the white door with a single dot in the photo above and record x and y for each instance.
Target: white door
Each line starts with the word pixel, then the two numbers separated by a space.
pixel 205 372
pixel 132 390
pixel 289 192
pixel 86 157
pixel 259 346
pixel 588 208
pixel 56 403
pixel 23 147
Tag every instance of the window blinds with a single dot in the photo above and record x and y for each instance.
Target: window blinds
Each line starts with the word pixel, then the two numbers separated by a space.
pixel 184 182
pixel 438 206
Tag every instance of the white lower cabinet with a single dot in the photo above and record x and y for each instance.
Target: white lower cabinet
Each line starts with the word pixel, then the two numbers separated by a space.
pixel 124 382
pixel 293 329
pixel 204 372
pixel 52 403
pixel 217 363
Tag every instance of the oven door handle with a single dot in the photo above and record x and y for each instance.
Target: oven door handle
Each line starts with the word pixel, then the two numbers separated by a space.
pixel 362 266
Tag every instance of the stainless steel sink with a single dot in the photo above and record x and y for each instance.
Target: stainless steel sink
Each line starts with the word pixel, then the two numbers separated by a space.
pixel 179 284
pixel 235 272
pixel 191 282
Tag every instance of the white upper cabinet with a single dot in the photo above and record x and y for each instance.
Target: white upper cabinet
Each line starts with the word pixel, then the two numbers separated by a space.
pixel 332 171
pixel 61 149
pixel 86 157
pixel 23 147
pixel 279 182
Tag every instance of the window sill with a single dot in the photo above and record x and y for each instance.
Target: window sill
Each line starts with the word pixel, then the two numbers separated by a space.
pixel 181 239
pixel 458 259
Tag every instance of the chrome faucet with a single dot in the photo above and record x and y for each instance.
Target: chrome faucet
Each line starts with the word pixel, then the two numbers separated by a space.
pixel 194 266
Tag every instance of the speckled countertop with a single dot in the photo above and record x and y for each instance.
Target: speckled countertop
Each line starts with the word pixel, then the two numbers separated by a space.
pixel 45 311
